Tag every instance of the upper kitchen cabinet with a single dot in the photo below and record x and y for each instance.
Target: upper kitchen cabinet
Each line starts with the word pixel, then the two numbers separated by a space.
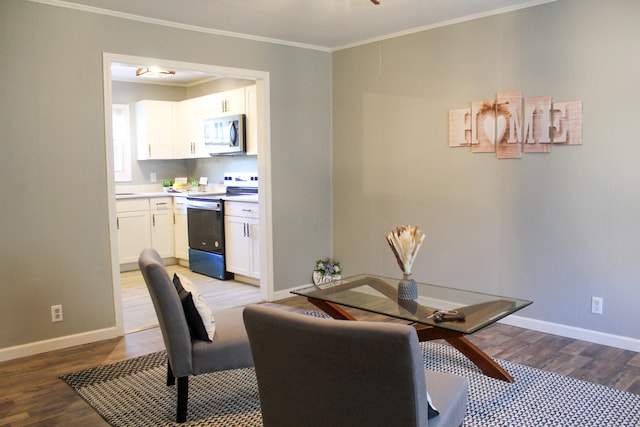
pixel 226 103
pixel 175 130
pixel 154 129
pixel 188 135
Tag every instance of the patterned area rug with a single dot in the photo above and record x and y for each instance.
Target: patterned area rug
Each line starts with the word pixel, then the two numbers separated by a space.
pixel 133 393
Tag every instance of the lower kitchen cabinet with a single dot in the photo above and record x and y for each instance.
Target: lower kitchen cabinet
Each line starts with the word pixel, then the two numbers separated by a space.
pixel 144 223
pixel 134 233
pixel 162 225
pixel 180 229
pixel 242 244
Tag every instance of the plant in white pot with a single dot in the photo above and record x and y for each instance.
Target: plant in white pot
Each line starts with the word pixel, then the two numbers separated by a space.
pixel 327 270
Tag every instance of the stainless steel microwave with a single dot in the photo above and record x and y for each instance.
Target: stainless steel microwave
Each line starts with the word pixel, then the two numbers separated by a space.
pixel 225 135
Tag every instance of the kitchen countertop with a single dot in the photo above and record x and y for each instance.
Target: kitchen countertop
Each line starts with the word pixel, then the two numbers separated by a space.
pixel 250 198
pixel 121 196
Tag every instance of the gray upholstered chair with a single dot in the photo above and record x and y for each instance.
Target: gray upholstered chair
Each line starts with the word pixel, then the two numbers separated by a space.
pixel 325 372
pixel 228 350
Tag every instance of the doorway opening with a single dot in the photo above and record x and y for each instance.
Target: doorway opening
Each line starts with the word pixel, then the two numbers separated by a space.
pixel 199 74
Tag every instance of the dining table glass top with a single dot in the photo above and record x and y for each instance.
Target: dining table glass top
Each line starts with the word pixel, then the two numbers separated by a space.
pixel 377 294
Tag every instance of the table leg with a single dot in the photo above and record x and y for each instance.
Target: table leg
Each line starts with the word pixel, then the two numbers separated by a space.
pixel 457 340
pixel 331 309
pixel 481 359
pixel 428 333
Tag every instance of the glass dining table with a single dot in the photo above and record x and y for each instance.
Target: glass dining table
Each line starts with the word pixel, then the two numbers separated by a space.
pixel 438 312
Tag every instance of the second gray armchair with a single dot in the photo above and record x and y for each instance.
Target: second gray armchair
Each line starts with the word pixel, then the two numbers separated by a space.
pixel 325 372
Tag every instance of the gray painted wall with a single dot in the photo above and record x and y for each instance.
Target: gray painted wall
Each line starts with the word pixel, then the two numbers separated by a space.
pixel 554 228
pixel 54 238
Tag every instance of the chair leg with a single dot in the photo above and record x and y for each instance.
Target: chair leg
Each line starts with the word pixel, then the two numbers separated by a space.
pixel 183 397
pixel 171 379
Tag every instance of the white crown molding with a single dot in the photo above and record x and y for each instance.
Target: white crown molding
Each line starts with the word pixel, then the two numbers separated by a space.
pixel 147 20
pixel 444 23
pixel 116 14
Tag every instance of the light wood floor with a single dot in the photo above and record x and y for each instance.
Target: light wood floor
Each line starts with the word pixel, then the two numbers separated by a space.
pixel 31 394
pixel 138 312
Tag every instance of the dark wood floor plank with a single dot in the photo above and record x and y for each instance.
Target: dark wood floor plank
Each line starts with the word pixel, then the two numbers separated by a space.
pixel 32 394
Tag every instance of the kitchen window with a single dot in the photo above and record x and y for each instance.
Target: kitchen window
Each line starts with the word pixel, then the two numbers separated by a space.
pixel 121 142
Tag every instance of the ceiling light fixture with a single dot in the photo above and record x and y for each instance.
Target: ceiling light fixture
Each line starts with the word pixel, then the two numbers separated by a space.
pixel 154 72
pixel 375 1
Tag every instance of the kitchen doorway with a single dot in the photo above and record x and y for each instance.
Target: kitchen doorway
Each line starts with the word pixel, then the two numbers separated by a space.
pixel 261 79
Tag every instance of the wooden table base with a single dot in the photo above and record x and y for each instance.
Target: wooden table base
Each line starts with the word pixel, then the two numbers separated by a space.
pixel 428 333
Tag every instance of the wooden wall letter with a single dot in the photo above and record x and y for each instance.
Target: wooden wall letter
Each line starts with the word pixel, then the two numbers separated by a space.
pixel 566 123
pixel 460 127
pixel 483 127
pixel 537 121
pixel 509 140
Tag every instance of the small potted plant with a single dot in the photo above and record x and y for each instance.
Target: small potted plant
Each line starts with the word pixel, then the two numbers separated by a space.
pixel 327 270
pixel 166 184
pixel 195 184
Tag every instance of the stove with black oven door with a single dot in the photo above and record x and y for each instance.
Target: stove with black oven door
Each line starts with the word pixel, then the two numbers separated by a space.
pixel 205 222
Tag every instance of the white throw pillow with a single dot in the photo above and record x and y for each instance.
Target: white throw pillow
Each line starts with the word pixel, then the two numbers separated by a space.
pixel 201 305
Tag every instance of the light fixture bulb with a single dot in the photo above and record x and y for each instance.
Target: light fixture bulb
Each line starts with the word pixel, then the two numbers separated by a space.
pixel 154 72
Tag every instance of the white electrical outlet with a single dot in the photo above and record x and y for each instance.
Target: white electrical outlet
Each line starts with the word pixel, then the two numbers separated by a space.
pixel 596 305
pixel 153 177
pixel 56 313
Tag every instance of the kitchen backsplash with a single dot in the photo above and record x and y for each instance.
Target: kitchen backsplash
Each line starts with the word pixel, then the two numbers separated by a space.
pixel 157 188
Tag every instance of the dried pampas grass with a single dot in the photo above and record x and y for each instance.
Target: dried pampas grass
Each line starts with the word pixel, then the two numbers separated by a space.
pixel 405 242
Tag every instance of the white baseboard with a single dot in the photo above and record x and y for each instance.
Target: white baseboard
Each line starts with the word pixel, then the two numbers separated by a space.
pixel 596 337
pixel 44 346
pixel 618 341
pixel 573 332
pixel 278 295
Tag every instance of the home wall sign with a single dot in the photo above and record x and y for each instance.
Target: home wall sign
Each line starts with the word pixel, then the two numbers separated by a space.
pixel 510 125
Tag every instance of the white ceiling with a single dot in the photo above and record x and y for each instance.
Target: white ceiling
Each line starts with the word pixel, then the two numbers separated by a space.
pixel 321 24
pixel 126 72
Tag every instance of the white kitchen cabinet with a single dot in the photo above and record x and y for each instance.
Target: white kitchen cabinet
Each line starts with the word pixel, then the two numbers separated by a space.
pixel 180 230
pixel 161 210
pixel 188 127
pixel 144 223
pixel 226 103
pixel 154 129
pixel 134 233
pixel 242 244
pixel 251 123
pixel 175 130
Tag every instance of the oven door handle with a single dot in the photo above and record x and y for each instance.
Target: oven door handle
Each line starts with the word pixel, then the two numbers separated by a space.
pixel 208 205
